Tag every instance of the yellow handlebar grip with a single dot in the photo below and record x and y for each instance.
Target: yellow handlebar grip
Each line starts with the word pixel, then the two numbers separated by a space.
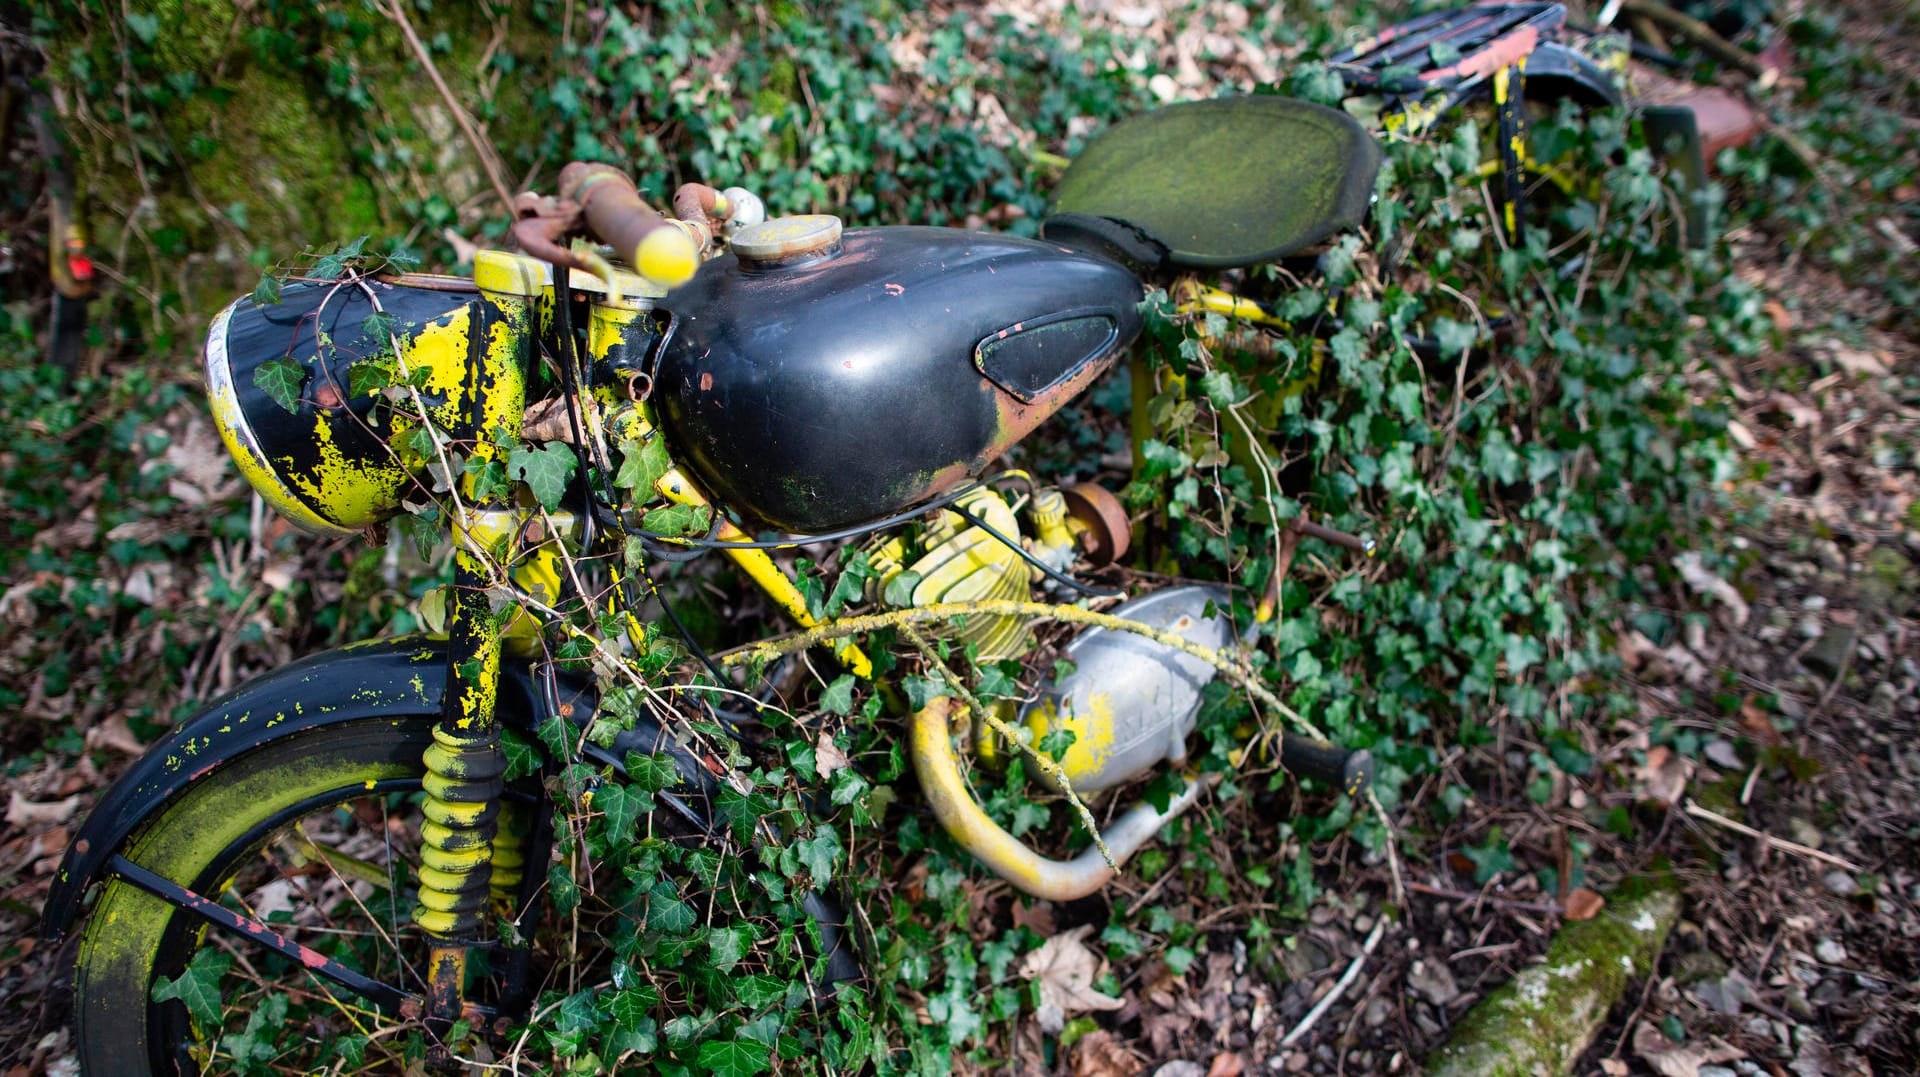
pixel 667 257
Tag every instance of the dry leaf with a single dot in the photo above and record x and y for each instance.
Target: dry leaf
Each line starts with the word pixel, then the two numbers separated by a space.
pixel 1701 579
pixel 1777 313
pixel 1036 917
pixel 1613 1067
pixel 1101 1054
pixel 1226 1064
pixel 22 812
pixel 1584 904
pixel 1854 361
pixel 828 756
pixel 547 420
pixel 1664 775
pixel 113 733
pixel 1066 970
pixel 1670 1059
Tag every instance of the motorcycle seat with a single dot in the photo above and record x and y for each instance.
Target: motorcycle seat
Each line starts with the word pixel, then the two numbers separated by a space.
pixel 1220 184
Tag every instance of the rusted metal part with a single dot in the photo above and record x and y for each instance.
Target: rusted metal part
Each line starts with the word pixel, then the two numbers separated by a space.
pixel 385 996
pixel 543 225
pixel 702 210
pixel 1339 538
pixel 615 214
pixel 1105 532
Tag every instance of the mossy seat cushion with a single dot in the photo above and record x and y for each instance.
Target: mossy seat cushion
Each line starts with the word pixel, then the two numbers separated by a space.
pixel 1235 181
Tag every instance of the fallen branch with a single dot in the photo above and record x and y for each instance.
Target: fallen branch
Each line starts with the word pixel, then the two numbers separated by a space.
pixel 1346 980
pixel 1697 32
pixel 1783 844
pixel 1550 908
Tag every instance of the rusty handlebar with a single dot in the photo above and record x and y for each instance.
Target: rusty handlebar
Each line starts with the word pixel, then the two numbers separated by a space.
pixel 603 203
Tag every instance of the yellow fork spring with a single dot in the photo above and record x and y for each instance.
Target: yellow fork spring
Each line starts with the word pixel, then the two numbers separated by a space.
pixel 463 786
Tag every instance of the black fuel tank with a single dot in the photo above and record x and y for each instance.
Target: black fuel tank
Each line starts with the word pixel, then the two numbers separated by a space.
pixel 845 386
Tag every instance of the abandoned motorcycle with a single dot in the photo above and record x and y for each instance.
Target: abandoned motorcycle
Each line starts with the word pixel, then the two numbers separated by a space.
pixel 716 376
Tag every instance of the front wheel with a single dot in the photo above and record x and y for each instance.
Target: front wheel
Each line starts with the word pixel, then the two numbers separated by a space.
pixel 317 836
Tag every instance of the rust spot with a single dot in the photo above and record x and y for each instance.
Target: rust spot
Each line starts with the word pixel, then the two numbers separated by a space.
pixel 706 380
pixel 327 396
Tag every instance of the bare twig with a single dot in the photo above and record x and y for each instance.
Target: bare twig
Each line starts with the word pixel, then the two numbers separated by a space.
pixel 1550 908
pixel 1699 33
pixel 481 147
pixel 1783 844
pixel 1346 980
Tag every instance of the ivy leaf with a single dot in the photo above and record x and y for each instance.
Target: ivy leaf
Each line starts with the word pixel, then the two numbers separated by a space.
pixel 561 887
pixel 632 1028
pixel 759 989
pixel 144 27
pixel 377 327
pixel 523 756
pixel 1161 458
pixel 899 590
pixel 545 470
pixel 422 529
pixel 641 465
pixel 727 945
pixel 1454 337
pixel 198 985
pixel 1490 857
pixel 652 772
pixel 623 806
pixel 1219 388
pixel 267 292
pixel 369 376
pixel 678 520
pixel 282 379
pixel 818 853
pixel 733 1058
pixel 666 913
pixel 994 681
pixel 838 698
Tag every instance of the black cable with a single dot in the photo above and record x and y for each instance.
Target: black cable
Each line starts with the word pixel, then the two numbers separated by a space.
pixel 569 363
pixel 1052 573
pixel 944 501
pixel 686 635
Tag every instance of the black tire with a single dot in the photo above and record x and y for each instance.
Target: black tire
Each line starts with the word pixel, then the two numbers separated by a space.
pixel 314 818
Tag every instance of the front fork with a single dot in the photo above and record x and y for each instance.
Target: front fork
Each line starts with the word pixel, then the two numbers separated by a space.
pixel 465 857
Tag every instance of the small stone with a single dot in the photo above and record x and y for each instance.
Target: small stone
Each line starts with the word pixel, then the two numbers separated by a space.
pixel 1297 1062
pixel 1717 1071
pixel 1841 883
pixel 1825 657
pixel 1180 1067
pixel 1805 833
pixel 1433 982
pixel 1830 951
pixel 1378 1011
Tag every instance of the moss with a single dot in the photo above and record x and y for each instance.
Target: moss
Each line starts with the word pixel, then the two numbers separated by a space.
pixel 781 88
pixel 261 125
pixel 1542 1020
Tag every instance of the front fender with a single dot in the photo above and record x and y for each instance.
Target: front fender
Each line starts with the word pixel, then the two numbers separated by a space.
pixel 389 678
